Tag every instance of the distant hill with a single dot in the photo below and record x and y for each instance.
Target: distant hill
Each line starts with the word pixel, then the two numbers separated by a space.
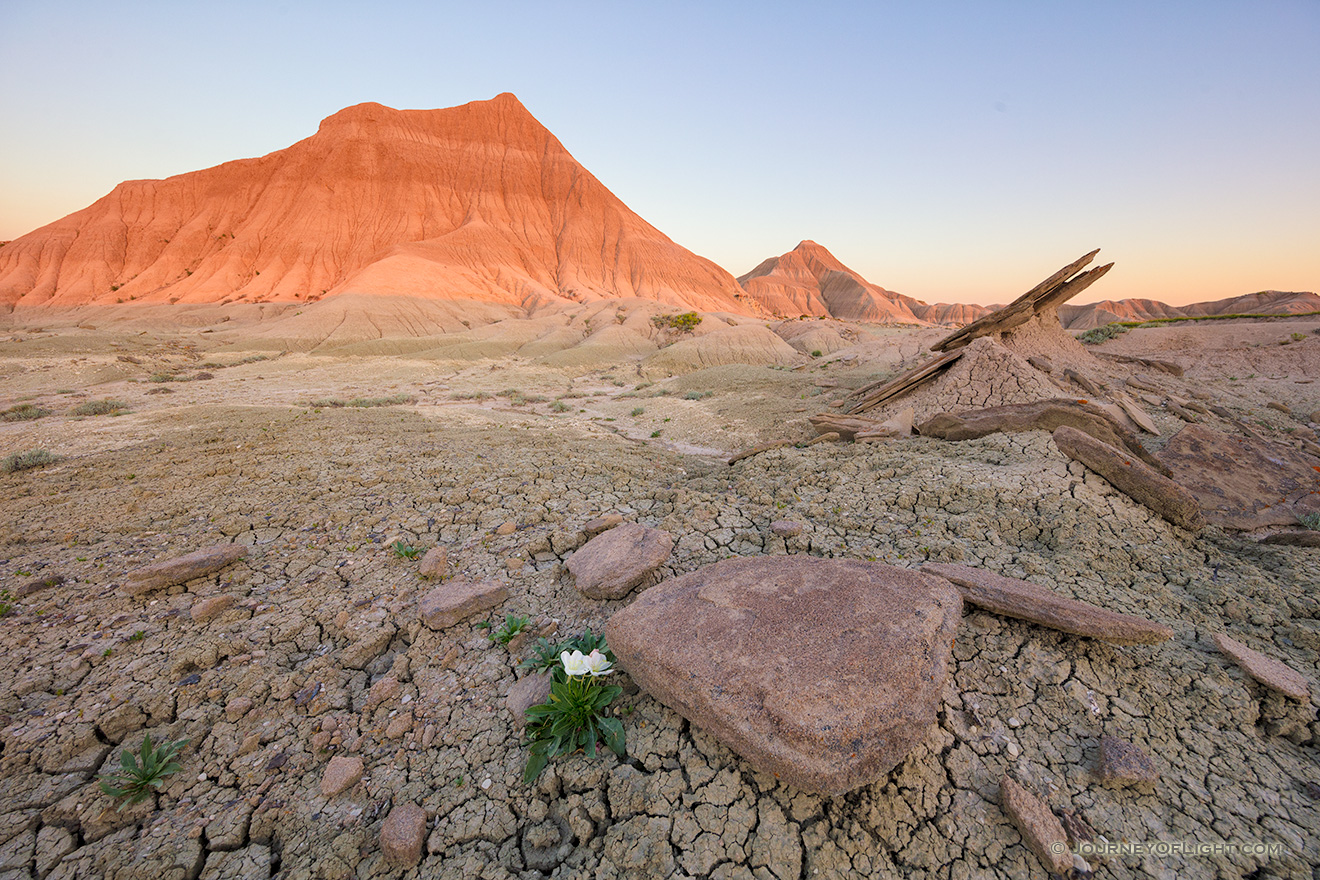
pixel 477 202
pixel 1267 302
pixel 809 280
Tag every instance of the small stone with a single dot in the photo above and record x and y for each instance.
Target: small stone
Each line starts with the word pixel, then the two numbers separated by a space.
pixel 403 835
pixel 526 692
pixel 507 528
pixel 1266 670
pixel 1122 763
pixel 1275 405
pixel 600 524
pixel 237 708
pixel 1041 363
pixel 456 600
pixel 182 569
pixel 612 564
pixel 785 528
pixel 384 690
pixel 341 774
pixel 211 607
pixel 485 784
pixel 399 725
pixel 435 564
pixel 1041 831
pixel 36 585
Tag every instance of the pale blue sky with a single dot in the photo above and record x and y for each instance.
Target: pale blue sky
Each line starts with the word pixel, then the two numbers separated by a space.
pixel 950 151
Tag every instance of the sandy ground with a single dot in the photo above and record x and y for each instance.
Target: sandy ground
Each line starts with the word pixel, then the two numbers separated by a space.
pixel 322 609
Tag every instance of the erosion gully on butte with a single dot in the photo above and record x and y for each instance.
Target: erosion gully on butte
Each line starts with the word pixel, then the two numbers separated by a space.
pixel 703 598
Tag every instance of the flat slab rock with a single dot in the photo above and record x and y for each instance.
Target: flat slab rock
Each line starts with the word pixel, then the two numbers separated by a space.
pixel 1133 477
pixel 182 569
pixel 822 672
pixel 1243 482
pixel 455 601
pixel 1040 829
pixel 1266 670
pixel 1027 601
pixel 1122 763
pixel 617 561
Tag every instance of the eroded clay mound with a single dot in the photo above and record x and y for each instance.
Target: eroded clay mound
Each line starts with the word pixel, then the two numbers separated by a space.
pixel 477 202
pixel 809 280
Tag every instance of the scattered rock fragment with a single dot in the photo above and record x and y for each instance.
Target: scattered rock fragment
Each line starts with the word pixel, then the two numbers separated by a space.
pixel 1137 414
pixel 757 450
pixel 1122 763
pixel 341 774
pixel 456 600
pixel 36 585
pixel 1041 363
pixel 435 564
pixel 1081 382
pixel 900 425
pixel 386 688
pixel 1283 408
pixel 1132 477
pixel 1266 670
pixel 403 835
pixel 1027 601
pixel 526 692
pixel 785 528
pixel 507 528
pixel 1242 482
pixel 237 708
pixel 1040 829
pixel 594 527
pixel 723 647
pixel 613 563
pixel 1294 538
pixel 182 569
pixel 205 610
pixel 1041 415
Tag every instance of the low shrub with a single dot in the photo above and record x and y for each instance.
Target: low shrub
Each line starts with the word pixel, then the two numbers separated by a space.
pixel 23 412
pixel 24 461
pixel 99 408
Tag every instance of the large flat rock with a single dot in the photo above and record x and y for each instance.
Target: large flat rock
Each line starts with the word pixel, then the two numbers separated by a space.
pixel 1027 601
pixel 823 672
pixel 1133 477
pixel 1243 482
pixel 617 561
pixel 455 601
pixel 182 569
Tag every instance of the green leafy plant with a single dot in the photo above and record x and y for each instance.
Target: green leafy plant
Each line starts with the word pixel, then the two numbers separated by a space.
pixel 684 323
pixel 574 717
pixel 404 550
pixel 816 353
pixel 637 411
pixel 559 406
pixel 546 654
pixel 6 602
pixel 135 780
pixel 504 633
pixel 22 461
pixel 23 412
pixel 1102 334
pixel 99 408
pixel 1310 520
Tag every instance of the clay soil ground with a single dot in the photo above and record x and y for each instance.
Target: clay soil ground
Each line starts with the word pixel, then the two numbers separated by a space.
pixel 277 683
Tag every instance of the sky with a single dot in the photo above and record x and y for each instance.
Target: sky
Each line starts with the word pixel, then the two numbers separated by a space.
pixel 950 151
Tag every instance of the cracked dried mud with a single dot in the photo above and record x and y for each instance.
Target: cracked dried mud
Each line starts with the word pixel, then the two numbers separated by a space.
pixel 321 654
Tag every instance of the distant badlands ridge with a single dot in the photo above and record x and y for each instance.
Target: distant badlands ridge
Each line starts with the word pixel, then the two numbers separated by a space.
pixel 476 204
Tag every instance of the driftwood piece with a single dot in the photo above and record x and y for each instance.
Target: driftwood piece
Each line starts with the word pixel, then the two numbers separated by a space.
pixel 847 427
pixel 1069 289
pixel 1041 415
pixel 1134 382
pixel 1020 310
pixel 873 395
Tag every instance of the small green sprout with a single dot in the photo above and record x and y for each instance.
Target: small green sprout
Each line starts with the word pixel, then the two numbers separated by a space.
pixel 135 780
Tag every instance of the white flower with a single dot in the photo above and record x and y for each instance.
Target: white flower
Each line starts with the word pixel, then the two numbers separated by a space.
pixel 578 663
pixel 597 664
pixel 575 663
